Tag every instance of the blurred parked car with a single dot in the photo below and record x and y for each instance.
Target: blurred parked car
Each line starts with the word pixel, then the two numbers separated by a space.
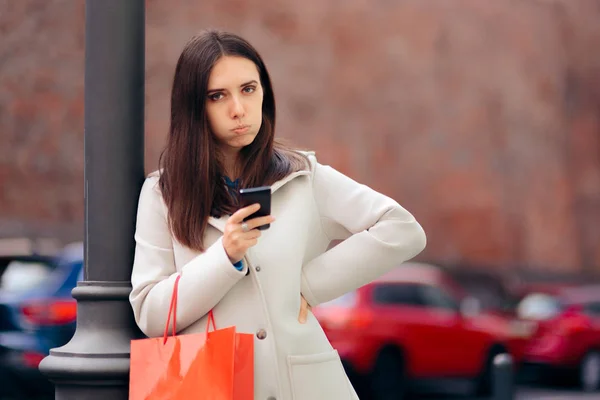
pixel 492 289
pixel 566 333
pixel 412 328
pixel 37 313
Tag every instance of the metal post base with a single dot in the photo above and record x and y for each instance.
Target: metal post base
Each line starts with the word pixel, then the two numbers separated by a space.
pixel 95 363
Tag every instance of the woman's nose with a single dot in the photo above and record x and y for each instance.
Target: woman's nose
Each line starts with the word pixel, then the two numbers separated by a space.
pixel 237 108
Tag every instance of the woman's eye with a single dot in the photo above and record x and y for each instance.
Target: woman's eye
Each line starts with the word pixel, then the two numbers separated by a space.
pixel 249 89
pixel 216 96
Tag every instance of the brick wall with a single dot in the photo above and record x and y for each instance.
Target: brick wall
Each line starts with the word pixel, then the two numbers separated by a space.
pixel 482 118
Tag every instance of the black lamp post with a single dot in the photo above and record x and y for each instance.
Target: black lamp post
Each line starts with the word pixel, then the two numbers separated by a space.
pixel 95 363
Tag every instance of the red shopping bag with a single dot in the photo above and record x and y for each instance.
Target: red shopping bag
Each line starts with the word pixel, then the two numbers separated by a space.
pixel 215 365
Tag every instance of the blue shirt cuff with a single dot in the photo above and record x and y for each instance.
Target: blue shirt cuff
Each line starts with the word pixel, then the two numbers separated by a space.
pixel 239 265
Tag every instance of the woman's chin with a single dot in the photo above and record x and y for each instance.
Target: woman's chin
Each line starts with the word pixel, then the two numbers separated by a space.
pixel 242 141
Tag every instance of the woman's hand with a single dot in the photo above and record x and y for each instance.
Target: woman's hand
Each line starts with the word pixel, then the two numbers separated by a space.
pixel 239 236
pixel 304 309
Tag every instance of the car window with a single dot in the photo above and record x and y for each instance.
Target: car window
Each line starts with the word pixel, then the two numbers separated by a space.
pixel 435 297
pixel 593 309
pixel 489 290
pixel 539 306
pixel 398 294
pixel 489 297
pixel 22 276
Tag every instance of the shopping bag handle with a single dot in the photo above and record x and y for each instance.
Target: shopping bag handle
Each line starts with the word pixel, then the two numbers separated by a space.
pixel 211 318
pixel 173 312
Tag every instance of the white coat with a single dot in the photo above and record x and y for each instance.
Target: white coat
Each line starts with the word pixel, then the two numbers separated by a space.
pixel 293 361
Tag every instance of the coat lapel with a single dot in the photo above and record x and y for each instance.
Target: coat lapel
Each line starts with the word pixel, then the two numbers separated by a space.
pixel 287 179
pixel 219 223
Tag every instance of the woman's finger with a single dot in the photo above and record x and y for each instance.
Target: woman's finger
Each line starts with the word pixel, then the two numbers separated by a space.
pixel 253 234
pixel 304 307
pixel 259 221
pixel 238 216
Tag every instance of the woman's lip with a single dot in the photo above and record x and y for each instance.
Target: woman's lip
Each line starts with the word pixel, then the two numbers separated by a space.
pixel 241 129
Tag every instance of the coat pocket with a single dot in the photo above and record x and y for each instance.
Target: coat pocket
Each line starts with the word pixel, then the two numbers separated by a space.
pixel 318 377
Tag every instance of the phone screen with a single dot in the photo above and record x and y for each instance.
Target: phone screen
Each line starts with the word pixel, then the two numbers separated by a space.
pixel 260 195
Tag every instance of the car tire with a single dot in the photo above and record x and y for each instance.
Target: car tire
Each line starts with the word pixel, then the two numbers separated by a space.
pixel 388 380
pixel 485 380
pixel 589 372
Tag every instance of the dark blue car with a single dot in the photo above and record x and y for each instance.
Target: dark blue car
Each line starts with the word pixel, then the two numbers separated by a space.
pixel 37 313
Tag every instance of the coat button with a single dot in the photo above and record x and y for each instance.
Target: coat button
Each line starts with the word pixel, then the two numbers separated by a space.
pixel 261 334
pixel 271 398
pixel 258 268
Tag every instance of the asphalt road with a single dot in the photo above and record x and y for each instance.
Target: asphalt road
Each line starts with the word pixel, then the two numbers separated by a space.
pixel 534 393
pixel 554 394
pixel 523 393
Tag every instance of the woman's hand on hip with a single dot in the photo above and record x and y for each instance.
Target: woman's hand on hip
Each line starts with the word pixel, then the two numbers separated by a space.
pixel 304 309
pixel 239 236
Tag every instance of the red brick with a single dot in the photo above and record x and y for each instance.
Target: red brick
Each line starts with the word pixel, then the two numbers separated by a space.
pixel 481 117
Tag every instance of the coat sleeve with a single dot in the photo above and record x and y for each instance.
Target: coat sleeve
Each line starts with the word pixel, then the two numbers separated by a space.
pixel 204 280
pixel 379 235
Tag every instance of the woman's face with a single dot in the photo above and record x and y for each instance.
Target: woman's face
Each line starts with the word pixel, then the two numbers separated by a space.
pixel 234 103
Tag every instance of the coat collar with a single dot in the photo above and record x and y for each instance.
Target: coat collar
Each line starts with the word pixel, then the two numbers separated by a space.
pixel 219 223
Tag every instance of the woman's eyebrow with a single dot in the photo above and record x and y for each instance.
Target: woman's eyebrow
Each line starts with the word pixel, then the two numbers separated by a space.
pixel 242 85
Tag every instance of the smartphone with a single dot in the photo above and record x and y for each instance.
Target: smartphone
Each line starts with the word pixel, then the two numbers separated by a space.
pixel 260 195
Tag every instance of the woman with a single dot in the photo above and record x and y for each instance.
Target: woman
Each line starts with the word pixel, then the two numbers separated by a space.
pixel 221 138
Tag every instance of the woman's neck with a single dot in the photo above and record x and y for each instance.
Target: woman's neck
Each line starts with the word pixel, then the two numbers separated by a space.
pixel 231 166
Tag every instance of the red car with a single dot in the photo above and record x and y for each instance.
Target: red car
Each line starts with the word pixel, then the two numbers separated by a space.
pixel 566 338
pixel 411 327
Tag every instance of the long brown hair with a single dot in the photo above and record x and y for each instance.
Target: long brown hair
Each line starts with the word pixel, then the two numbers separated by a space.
pixel 191 179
